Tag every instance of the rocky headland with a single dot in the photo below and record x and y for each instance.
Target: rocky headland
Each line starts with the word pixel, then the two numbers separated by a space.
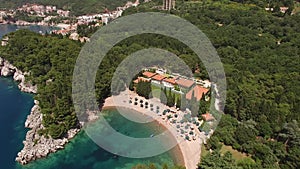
pixel 7 69
pixel 35 146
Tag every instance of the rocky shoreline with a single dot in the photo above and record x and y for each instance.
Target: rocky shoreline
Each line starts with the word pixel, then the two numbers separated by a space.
pixel 7 69
pixel 35 146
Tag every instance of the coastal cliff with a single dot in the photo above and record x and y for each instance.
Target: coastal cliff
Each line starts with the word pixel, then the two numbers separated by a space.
pixel 7 69
pixel 35 146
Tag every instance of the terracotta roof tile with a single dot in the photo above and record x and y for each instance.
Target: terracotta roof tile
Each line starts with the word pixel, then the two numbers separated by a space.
pixel 207 117
pixel 198 92
pixel 185 82
pixel 149 74
pixel 158 77
pixel 140 79
pixel 170 80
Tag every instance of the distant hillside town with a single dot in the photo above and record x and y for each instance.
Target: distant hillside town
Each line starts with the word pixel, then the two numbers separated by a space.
pixel 77 28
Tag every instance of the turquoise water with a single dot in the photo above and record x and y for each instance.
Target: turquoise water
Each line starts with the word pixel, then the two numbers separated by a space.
pixel 14 107
pixel 80 153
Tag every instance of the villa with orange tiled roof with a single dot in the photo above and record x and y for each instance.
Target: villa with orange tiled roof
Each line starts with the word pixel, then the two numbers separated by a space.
pixel 157 79
pixel 198 91
pixel 141 79
pixel 185 84
pixel 149 74
pixel 169 82
pixel 207 117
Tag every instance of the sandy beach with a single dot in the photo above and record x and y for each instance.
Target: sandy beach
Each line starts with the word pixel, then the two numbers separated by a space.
pixel 190 150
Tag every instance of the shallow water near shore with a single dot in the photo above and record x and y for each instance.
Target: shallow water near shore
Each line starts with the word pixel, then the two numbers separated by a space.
pixel 80 153
pixel 14 108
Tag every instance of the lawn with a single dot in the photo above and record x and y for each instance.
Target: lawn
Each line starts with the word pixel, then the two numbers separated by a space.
pixel 204 152
pixel 156 92
pixel 235 154
pixel 296 8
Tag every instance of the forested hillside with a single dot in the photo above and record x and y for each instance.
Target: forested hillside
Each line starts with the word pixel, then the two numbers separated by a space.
pixel 77 7
pixel 261 54
pixel 260 51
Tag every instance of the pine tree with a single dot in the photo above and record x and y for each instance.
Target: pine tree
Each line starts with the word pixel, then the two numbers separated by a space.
pixel 194 105
pixel 178 103
pixel 163 96
pixel 173 99
pixel 183 105
pixel 148 90
pixel 131 86
pixel 203 105
pixel 170 99
pixel 144 89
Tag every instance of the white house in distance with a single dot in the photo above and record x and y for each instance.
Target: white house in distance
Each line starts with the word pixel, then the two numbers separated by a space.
pixel 283 9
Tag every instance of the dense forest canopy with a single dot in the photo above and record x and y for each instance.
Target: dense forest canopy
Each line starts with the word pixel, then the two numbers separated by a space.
pixel 260 51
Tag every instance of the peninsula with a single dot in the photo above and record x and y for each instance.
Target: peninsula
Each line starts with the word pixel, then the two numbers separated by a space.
pixel 35 146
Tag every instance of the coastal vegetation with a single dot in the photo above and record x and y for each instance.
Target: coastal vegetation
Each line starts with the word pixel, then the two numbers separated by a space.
pixel 144 89
pixel 260 52
pixel 50 62
pixel 27 18
pixel 87 30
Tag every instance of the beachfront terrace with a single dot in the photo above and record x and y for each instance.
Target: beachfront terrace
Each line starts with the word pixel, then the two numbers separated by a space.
pixel 185 125
pixel 180 123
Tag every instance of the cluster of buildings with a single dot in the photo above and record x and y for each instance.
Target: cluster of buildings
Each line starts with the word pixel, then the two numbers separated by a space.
pixel 179 84
pixel 188 87
pixel 103 18
pixel 93 20
pixel 45 12
pixel 41 10
pixel 69 27
pixel 107 15
pixel 4 15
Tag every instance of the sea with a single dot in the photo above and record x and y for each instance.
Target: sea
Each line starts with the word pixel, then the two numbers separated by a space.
pixel 81 152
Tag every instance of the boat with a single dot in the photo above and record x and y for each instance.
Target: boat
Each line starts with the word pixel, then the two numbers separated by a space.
pixel 152 135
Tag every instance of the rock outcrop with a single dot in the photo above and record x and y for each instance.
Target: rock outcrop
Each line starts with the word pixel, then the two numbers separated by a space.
pixel 7 69
pixel 35 146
